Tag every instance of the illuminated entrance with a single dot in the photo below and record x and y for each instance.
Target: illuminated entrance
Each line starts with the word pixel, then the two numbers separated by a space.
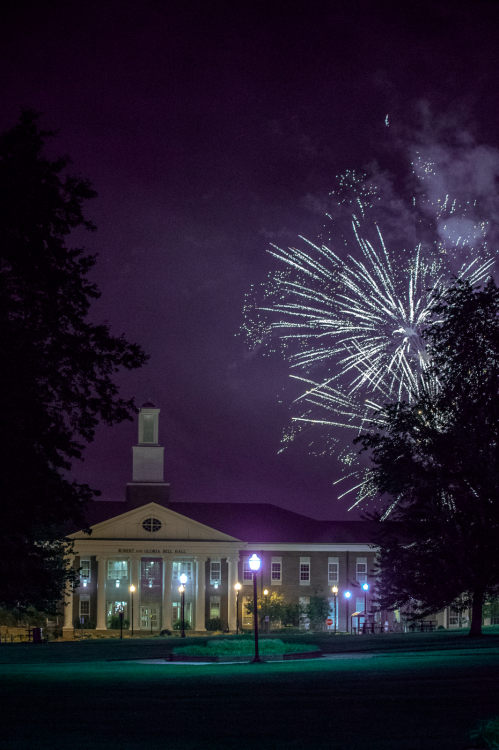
pixel 149 618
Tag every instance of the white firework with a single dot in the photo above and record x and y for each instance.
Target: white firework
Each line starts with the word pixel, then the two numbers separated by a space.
pixel 351 327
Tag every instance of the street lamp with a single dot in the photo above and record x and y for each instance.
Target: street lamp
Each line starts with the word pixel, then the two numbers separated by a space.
pixel 238 589
pixel 254 563
pixel 348 594
pixel 132 589
pixel 181 588
pixel 267 621
pixel 335 594
pixel 120 615
pixel 365 587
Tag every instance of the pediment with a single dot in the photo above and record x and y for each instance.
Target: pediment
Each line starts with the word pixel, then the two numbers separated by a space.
pixel 174 526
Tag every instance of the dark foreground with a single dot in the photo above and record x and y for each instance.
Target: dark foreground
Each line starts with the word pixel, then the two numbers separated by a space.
pixel 380 698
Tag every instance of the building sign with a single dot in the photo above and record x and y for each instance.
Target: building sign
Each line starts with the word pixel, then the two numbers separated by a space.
pixel 152 551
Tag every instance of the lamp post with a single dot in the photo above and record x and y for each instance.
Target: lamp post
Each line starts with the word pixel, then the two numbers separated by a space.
pixel 267 622
pixel 347 597
pixel 254 563
pixel 238 589
pixel 120 614
pixel 365 587
pixel 181 588
pixel 132 589
pixel 335 594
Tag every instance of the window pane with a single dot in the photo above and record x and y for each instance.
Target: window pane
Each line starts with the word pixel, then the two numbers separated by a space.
pixel 180 568
pixel 333 572
pixel 148 428
pixel 117 569
pixel 215 572
pixel 276 571
pixel 247 572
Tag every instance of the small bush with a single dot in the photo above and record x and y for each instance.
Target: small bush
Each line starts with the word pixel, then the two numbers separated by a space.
pixel 177 625
pixel 166 632
pixel 487 734
pixel 243 646
pixel 114 623
pixel 215 623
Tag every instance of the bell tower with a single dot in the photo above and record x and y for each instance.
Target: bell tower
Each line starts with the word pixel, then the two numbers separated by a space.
pixel 148 485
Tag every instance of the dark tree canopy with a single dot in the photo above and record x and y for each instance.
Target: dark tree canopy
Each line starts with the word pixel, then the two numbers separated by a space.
pixel 437 460
pixel 56 381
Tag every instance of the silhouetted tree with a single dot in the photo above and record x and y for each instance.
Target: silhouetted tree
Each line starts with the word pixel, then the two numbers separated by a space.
pixel 437 460
pixel 57 368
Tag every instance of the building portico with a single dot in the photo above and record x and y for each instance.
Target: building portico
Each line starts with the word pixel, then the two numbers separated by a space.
pixel 152 566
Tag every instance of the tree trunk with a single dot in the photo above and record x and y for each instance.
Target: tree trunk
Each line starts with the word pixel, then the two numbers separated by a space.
pixel 476 614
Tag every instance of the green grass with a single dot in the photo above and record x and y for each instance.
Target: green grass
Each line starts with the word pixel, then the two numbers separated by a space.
pixel 59 696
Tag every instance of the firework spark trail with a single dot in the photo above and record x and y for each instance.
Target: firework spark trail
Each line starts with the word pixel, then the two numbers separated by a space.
pixel 360 317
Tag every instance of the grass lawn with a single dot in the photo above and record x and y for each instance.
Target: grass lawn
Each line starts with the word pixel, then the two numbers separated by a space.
pixel 62 696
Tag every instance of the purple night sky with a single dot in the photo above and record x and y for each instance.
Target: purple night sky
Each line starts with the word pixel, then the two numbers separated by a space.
pixel 210 130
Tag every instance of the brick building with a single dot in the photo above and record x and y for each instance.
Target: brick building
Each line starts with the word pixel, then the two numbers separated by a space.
pixel 149 542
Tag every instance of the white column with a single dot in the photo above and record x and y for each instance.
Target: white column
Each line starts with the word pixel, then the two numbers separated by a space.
pixel 200 594
pixel 67 630
pixel 166 619
pixel 231 597
pixel 135 579
pixel 101 592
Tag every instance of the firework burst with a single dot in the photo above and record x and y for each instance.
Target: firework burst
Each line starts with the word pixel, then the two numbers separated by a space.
pixel 350 325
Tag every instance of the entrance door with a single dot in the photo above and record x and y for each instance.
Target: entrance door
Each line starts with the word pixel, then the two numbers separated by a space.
pixel 149 616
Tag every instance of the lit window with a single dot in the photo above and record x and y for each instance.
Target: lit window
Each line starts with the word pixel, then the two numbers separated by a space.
pixel 276 570
pixel 332 569
pixel 246 617
pixel 84 572
pixel 117 569
pixel 215 572
pixel 150 573
pixel 182 567
pixel 84 606
pixel 247 572
pixel 214 607
pixel 304 571
pixel 361 570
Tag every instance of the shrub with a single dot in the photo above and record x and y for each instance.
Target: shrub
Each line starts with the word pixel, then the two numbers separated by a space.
pixel 114 623
pixel 243 646
pixel 177 625
pixel 215 623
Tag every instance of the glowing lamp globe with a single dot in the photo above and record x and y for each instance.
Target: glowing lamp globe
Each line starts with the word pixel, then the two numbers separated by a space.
pixel 183 579
pixel 254 562
pixel 348 594
pixel 335 589
pixel 238 586
pixel 181 589
pixel 365 586
pixel 132 588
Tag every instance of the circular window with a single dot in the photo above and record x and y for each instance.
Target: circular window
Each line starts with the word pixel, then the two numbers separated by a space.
pixel 151 524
